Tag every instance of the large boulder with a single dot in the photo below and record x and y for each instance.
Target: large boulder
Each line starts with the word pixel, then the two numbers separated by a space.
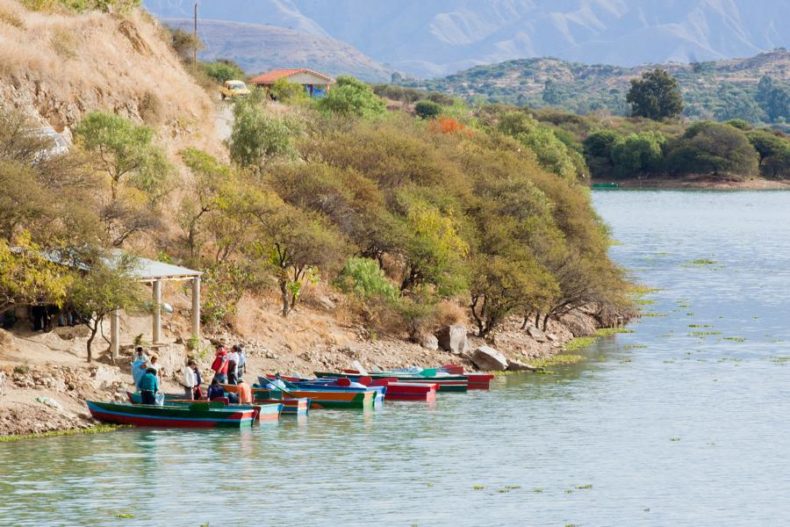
pixel 453 339
pixel 429 342
pixel 514 365
pixel 579 324
pixel 488 359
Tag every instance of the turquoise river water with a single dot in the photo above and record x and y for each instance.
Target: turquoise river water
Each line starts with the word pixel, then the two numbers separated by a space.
pixel 683 422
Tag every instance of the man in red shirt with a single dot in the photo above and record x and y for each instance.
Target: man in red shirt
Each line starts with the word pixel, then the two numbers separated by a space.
pixel 220 365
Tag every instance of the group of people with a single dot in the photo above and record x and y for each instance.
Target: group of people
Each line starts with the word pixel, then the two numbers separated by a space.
pixel 146 374
pixel 228 367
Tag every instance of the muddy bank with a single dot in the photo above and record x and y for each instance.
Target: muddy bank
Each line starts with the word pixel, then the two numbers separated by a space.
pixel 696 182
pixel 44 380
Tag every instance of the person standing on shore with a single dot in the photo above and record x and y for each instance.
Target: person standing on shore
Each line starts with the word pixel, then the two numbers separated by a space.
pixel 220 365
pixel 242 367
pixel 233 364
pixel 149 386
pixel 139 365
pixel 197 393
pixel 189 381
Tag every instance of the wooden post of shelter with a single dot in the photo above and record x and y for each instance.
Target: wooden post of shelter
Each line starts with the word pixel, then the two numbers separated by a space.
pixel 196 307
pixel 157 329
pixel 115 334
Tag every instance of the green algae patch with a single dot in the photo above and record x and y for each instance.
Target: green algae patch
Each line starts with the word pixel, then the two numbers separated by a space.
pixel 98 429
pixel 703 334
pixel 562 359
pixel 734 339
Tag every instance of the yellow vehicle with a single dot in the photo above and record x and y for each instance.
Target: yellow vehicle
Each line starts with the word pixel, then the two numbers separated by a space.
pixel 233 88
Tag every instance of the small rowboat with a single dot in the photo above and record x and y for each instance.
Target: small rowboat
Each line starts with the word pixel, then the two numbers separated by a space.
pixel 395 391
pixel 477 381
pixel 194 415
pixel 319 398
pixel 295 407
pixel 444 382
pixel 262 410
pixel 329 384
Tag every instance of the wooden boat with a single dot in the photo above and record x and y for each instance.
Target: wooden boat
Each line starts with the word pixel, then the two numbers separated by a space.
pixel 263 410
pixel 319 398
pixel 477 380
pixel 330 384
pixel 295 407
pixel 396 391
pixel 444 382
pixel 194 415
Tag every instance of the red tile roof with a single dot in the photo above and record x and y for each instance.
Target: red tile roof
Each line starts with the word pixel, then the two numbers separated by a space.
pixel 270 77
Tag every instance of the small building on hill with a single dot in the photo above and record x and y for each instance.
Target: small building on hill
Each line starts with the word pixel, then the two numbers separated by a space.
pixel 315 84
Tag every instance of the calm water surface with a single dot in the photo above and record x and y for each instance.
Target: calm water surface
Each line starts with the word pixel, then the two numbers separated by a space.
pixel 683 422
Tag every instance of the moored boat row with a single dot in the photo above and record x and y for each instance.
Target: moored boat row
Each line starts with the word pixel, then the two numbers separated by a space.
pixel 276 395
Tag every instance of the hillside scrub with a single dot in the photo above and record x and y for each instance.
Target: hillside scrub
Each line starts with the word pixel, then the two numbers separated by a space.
pixel 483 208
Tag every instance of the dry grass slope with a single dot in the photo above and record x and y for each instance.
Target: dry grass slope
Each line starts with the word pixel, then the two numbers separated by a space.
pixel 60 66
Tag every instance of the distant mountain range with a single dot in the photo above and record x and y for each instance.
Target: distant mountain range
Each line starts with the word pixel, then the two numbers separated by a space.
pixel 258 47
pixel 439 37
pixel 721 90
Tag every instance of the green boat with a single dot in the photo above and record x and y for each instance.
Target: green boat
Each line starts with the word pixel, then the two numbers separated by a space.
pixel 195 415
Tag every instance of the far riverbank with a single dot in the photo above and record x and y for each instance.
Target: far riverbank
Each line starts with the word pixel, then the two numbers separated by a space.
pixel 694 182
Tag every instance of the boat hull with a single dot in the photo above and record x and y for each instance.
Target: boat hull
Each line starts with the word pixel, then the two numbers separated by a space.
pixel 321 399
pixel 449 383
pixel 197 415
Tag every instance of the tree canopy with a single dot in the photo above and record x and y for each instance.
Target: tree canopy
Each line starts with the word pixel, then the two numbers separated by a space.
pixel 656 95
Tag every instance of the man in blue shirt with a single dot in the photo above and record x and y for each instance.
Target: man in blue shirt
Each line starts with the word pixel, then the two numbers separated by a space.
pixel 149 386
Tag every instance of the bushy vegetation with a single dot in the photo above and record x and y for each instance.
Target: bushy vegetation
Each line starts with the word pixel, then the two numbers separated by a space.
pixel 751 89
pixel 487 208
pixel 223 70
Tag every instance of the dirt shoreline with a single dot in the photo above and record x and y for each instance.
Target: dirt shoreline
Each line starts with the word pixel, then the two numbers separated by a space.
pixel 44 379
pixel 694 183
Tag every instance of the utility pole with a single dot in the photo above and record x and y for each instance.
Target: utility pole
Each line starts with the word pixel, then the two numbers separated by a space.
pixel 195 38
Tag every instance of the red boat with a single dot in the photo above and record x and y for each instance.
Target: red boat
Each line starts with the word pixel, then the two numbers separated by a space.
pixel 477 381
pixel 404 391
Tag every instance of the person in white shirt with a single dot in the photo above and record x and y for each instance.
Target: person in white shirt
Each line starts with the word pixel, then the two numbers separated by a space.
pixel 189 381
pixel 233 365
pixel 242 367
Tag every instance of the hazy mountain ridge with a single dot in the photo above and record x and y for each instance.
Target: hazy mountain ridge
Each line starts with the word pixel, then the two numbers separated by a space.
pixel 259 47
pixel 717 89
pixel 443 36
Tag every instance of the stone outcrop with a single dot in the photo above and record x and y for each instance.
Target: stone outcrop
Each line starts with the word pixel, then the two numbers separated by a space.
pixel 514 365
pixel 488 359
pixel 453 339
pixel 429 342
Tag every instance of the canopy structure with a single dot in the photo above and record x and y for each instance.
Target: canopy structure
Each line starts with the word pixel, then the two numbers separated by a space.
pixel 155 273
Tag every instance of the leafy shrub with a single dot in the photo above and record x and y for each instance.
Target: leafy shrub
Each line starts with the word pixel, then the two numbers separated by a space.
pixel 427 109
pixel 223 70
pixel 712 148
pixel 351 97
pixel 363 277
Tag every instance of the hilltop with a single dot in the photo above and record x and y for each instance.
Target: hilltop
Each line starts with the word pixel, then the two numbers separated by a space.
pixel 718 90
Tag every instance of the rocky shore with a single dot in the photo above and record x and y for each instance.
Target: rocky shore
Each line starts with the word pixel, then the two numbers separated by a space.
pixel 44 380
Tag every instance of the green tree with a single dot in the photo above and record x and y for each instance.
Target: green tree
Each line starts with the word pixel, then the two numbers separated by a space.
pixel 638 154
pixel 107 285
pixel 774 98
pixel 598 152
pixel 712 148
pixel 223 70
pixel 209 177
pixel 552 154
pixel 774 152
pixel 364 277
pixel 28 278
pixel 296 244
pixel 288 92
pixel 427 109
pixel 434 250
pixel 256 137
pixel 125 152
pixel 655 96
pixel 352 97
